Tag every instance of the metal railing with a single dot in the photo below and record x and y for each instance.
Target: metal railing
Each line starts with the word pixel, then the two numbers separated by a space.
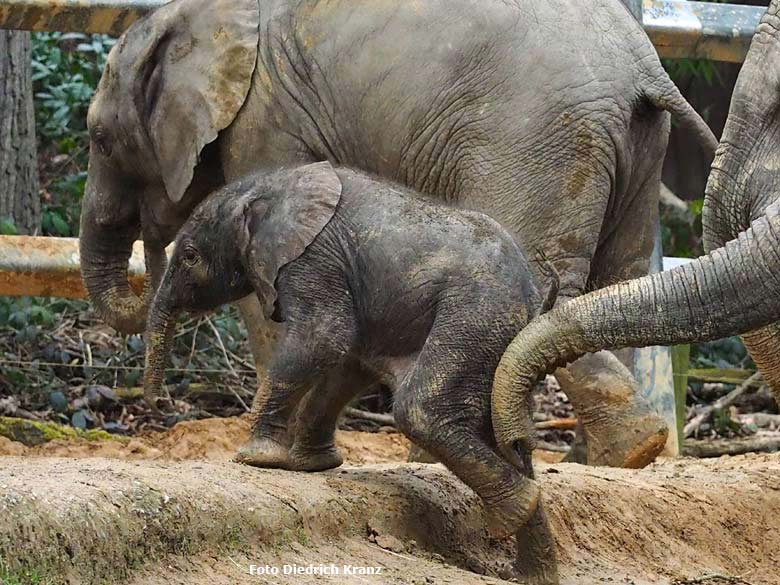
pixel 678 28
pixel 49 267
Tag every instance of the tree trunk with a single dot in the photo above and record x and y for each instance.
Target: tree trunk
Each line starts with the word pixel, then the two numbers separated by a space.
pixel 19 199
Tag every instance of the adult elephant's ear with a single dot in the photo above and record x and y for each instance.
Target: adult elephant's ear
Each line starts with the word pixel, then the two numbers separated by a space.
pixel 195 79
pixel 282 219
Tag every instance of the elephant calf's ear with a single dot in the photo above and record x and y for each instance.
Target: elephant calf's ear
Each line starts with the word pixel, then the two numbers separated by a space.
pixel 281 224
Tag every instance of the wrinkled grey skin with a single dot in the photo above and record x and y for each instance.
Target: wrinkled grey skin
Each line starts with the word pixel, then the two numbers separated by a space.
pixel 547 115
pixel 732 290
pixel 421 297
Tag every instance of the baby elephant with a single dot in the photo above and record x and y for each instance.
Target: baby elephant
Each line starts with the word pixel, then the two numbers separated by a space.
pixel 419 296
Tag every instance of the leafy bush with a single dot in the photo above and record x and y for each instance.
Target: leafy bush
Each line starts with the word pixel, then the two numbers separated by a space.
pixel 66 71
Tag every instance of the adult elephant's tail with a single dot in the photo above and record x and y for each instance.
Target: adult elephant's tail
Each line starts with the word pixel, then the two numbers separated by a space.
pixel 667 97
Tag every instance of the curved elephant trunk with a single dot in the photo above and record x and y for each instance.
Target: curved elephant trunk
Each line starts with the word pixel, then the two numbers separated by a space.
pixel 159 336
pixel 729 291
pixel 104 264
pixel 744 179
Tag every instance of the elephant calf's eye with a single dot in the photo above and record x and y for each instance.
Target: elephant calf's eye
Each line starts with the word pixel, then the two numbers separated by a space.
pixel 189 256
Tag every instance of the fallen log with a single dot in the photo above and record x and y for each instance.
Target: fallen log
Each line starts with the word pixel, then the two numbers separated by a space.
pixel 379 418
pixel 759 443
pixel 760 419
pixel 723 402
pixel 722 375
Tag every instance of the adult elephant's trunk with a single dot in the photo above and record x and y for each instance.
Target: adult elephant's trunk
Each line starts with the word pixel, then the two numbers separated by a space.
pixel 104 271
pixel 729 291
pixel 105 245
pixel 159 335
pixel 745 177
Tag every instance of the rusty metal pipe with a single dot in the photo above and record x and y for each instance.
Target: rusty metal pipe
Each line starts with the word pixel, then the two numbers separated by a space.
pixel 719 32
pixel 678 28
pixel 87 16
pixel 49 267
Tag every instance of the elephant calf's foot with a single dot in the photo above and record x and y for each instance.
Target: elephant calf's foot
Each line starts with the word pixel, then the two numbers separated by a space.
pixel 315 458
pixel 264 452
pixel 507 515
pixel 630 442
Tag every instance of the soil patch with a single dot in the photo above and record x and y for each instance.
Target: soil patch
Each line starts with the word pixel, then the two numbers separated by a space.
pixel 214 439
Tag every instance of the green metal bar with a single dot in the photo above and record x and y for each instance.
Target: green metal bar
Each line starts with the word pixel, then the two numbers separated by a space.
pixel 680 356
pixel 88 16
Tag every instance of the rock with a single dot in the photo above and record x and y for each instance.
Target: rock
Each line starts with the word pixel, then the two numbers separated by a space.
pixel 391 543
pixel 11 448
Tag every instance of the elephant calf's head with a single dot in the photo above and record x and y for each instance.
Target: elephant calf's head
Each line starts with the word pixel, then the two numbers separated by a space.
pixel 236 242
pixel 173 81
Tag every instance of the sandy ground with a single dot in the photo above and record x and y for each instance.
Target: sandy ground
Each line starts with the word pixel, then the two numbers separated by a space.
pixel 153 515
pixel 212 439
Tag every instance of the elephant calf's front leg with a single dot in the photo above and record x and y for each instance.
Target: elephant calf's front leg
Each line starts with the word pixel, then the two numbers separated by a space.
pixel 270 442
pixel 290 376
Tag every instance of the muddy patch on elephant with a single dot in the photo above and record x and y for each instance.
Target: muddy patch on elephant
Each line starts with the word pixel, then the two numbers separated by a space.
pixel 98 520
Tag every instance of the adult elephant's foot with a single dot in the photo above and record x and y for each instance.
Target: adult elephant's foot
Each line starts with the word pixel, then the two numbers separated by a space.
pixel 264 452
pixel 627 441
pixel 315 458
pixel 617 425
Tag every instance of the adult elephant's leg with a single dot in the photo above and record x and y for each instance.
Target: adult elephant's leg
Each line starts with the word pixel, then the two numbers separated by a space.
pixel 262 333
pixel 620 427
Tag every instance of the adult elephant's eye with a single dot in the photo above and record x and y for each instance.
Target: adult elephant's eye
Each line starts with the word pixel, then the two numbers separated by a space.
pixel 101 141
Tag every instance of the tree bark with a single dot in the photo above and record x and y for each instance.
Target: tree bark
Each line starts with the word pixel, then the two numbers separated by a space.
pixel 19 199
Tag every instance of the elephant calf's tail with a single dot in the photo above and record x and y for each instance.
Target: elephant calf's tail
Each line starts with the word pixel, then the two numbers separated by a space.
pixel 671 100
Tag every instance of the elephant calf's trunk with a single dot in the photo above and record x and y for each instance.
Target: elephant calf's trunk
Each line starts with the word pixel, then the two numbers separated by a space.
pixel 158 345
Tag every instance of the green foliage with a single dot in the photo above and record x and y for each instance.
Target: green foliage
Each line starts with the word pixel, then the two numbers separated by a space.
pixel 680 69
pixel 681 232
pixel 723 353
pixel 22 576
pixel 7 227
pixel 66 71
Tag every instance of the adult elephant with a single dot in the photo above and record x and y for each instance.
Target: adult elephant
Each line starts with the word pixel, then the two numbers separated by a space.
pixel 549 115
pixel 732 290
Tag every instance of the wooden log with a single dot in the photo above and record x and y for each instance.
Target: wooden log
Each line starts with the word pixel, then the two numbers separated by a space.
pixel 720 404
pixel 382 419
pixel 760 419
pixel 759 443
pixel 721 375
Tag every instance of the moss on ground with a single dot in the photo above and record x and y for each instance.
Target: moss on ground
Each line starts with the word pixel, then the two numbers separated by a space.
pixel 32 433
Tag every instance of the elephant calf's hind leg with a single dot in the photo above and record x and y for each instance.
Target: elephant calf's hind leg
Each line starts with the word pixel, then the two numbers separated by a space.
pixel 315 448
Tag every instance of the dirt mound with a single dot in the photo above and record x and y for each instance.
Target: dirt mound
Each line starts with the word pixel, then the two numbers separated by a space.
pixel 214 439
pixel 100 520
